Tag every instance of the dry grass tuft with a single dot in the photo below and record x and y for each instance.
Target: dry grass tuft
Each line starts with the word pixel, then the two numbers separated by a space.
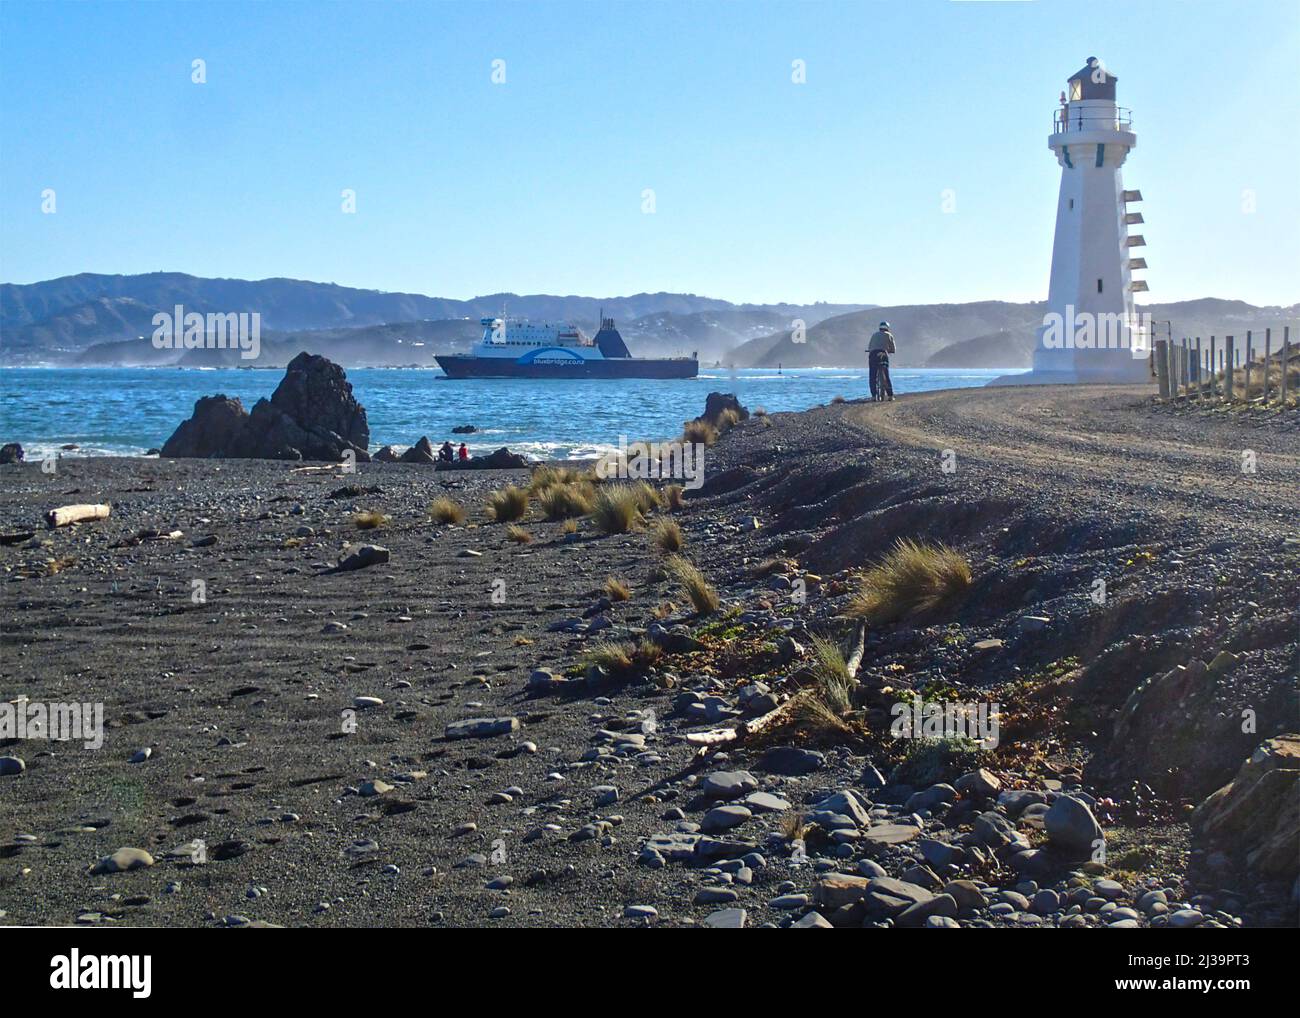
pixel 616 509
pixel 792 826
pixel 569 527
pixel 444 510
pixel 647 498
pixel 913 579
pixel 566 499
pixel 704 599
pixel 617 590
pixel 699 433
pixel 548 476
pixel 623 660
pixel 508 504
pixel 674 497
pixel 667 536
pixel 518 534
pixel 370 520
pixel 728 419
pixel 832 683
pixel 837 400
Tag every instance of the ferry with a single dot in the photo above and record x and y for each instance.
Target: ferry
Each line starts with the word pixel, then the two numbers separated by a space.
pixel 512 348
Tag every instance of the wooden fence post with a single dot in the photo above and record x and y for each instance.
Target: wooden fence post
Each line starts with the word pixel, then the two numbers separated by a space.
pixel 1286 356
pixel 1246 395
pixel 1214 367
pixel 1229 354
pixel 1185 367
pixel 1268 347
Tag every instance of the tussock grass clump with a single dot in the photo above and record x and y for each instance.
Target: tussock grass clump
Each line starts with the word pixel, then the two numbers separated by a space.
pixel 368 520
pixel 913 579
pixel 617 590
pixel 445 510
pixel 569 527
pixel 792 826
pixel 566 499
pixel 664 609
pixel 647 498
pixel 667 536
pixel 728 419
pixel 54 566
pixel 838 400
pixel 616 509
pixel 760 411
pixel 699 433
pixel 623 660
pixel 508 504
pixel 832 682
pixel 518 534
pixel 674 497
pixel 773 566
pixel 548 476
pixel 704 599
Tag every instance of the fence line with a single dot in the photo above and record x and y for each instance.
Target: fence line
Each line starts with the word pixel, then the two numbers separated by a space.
pixel 1192 370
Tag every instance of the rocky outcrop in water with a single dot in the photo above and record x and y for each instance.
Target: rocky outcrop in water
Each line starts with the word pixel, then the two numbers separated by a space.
pixel 312 415
pixel 718 403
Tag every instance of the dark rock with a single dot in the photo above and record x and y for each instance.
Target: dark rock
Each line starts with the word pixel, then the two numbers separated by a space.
pixel 464 429
pixel 791 761
pixel 312 415
pixel 421 452
pixel 1254 820
pixel 1071 826
pixel 362 556
pixel 216 428
pixel 717 403
pixel 387 455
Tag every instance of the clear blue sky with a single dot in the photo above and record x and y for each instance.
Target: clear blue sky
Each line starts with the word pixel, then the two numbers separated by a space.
pixel 764 190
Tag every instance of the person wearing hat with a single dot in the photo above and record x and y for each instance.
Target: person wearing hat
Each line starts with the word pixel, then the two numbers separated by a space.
pixel 879 348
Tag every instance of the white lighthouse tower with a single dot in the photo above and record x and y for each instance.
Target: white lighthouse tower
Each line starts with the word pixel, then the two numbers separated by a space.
pixel 1090 332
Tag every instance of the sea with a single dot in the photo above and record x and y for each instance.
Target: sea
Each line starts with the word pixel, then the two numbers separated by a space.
pixel 128 411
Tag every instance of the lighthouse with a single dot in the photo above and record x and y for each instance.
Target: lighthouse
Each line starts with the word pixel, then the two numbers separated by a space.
pixel 1090 332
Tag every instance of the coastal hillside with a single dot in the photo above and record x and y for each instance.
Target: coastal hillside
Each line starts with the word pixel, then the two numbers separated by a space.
pixel 58 320
pixel 933 335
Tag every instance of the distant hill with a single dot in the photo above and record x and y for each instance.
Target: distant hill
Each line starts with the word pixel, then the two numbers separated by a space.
pixel 1002 349
pixel 984 334
pixel 91 316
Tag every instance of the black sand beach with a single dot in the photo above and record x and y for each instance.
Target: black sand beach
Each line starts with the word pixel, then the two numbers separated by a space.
pixel 315 811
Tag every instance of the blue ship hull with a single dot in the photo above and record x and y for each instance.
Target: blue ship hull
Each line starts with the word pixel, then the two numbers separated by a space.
pixel 463 366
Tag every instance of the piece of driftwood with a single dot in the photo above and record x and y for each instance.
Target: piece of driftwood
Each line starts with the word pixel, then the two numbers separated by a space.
pixel 68 514
pixel 855 658
pixel 718 737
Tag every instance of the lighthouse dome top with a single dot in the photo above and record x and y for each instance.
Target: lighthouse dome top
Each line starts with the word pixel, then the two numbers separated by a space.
pixel 1092 81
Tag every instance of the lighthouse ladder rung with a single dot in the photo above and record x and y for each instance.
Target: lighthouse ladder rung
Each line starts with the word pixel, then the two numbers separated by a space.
pixel 1138 286
pixel 1132 195
pixel 1137 263
pixel 1133 217
pixel 1135 241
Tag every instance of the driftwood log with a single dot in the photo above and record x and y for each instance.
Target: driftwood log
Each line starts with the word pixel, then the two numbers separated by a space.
pixel 68 514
